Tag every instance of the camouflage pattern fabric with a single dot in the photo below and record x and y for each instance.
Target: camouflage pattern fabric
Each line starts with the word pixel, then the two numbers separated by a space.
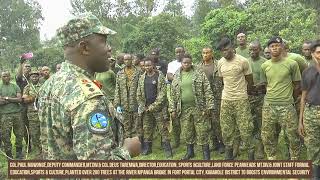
pixel 312 129
pixel 75 120
pixel 153 120
pixel 194 126
pixel 7 123
pixel 156 116
pixel 233 115
pixel 126 98
pixel 83 25
pixel 256 103
pixel 286 117
pixel 201 88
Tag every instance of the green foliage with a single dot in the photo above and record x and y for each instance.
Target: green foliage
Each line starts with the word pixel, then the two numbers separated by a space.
pixel 224 22
pixel 194 47
pixel 161 31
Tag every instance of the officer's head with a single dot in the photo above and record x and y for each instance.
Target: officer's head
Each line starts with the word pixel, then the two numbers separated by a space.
pixel 207 54
pixel 254 49
pixel 226 47
pixel 5 76
pixel 315 51
pixel 26 68
pixel 85 42
pixel 148 64
pixel 186 62
pixel 45 71
pixel 127 58
pixel 276 46
pixel 241 38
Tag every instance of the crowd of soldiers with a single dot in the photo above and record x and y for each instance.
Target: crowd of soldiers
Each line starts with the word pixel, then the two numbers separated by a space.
pixel 96 109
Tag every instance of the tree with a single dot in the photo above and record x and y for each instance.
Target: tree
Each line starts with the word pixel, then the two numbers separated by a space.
pixel 145 7
pixel 174 7
pixel 315 4
pixel 161 31
pixel 19 29
pixel 201 8
pixel 194 47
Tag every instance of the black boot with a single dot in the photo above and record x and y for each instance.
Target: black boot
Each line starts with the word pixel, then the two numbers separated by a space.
pixel 251 155
pixel 206 152
pixel 167 149
pixel 19 153
pixel 315 172
pixel 9 154
pixel 190 152
pixel 229 153
pixel 147 148
pixel 141 139
pixel 221 148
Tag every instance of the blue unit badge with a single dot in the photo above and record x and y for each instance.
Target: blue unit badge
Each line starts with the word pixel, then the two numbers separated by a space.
pixel 98 122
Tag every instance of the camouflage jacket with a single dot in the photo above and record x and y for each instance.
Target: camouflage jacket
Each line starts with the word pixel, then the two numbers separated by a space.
pixel 75 120
pixel 216 84
pixel 161 94
pixel 126 92
pixel 201 88
pixel 32 90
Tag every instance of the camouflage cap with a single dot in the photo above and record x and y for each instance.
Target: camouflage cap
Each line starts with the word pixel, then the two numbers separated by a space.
pixel 80 27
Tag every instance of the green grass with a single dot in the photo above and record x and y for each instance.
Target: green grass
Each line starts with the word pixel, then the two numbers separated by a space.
pixel 158 154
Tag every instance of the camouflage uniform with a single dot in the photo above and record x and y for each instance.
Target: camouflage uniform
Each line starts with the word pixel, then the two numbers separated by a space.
pixel 312 124
pixel 74 117
pixel 126 98
pixel 11 120
pixel 191 118
pixel 155 117
pixel 34 123
pixel 216 86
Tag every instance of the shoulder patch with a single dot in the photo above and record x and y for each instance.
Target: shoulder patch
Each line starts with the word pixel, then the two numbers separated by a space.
pixel 98 122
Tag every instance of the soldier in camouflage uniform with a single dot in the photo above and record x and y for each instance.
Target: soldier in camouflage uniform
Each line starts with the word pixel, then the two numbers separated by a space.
pixel 151 97
pixel 126 97
pixel 30 94
pixel 256 97
pixel 192 102
pixel 235 107
pixel 209 66
pixel 76 119
pixel 281 77
pixel 10 97
pixel 309 121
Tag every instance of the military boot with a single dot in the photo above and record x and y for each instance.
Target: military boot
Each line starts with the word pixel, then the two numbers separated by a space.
pixel 190 152
pixel 315 172
pixel 228 153
pixel 251 154
pixel 206 152
pixel 147 148
pixel 167 149
pixel 19 153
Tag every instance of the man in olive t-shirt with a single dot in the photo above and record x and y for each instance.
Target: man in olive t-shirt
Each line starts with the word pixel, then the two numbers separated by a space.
pixel 235 108
pixel 242 49
pixel 281 77
pixel 10 97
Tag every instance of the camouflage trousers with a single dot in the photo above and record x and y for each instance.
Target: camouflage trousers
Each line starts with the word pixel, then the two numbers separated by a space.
pixel 153 120
pixel 194 126
pixel 256 103
pixel 215 128
pixel 25 120
pixel 284 116
pixel 236 115
pixel 176 126
pixel 312 130
pixel 34 130
pixel 9 122
pixel 131 124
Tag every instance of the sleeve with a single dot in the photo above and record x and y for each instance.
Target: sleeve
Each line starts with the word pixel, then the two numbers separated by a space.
pixel 93 133
pixel 304 82
pixel 26 90
pixel 208 92
pixel 246 67
pixel 117 93
pixel 173 95
pixel 161 97
pixel 139 93
pixel 18 90
pixel 219 68
pixel 170 68
pixel 295 72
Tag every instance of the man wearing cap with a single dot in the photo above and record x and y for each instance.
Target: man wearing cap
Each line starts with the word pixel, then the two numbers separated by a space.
pixel 242 49
pixel 281 76
pixel 29 97
pixel 10 97
pixel 76 119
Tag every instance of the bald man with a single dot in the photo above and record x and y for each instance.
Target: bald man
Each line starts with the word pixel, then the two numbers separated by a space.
pixel 242 48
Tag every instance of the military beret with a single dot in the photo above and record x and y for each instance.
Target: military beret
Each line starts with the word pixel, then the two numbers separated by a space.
pixel 81 26
pixel 275 39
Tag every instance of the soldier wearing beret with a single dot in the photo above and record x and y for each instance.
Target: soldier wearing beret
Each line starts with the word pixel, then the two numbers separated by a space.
pixel 76 118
